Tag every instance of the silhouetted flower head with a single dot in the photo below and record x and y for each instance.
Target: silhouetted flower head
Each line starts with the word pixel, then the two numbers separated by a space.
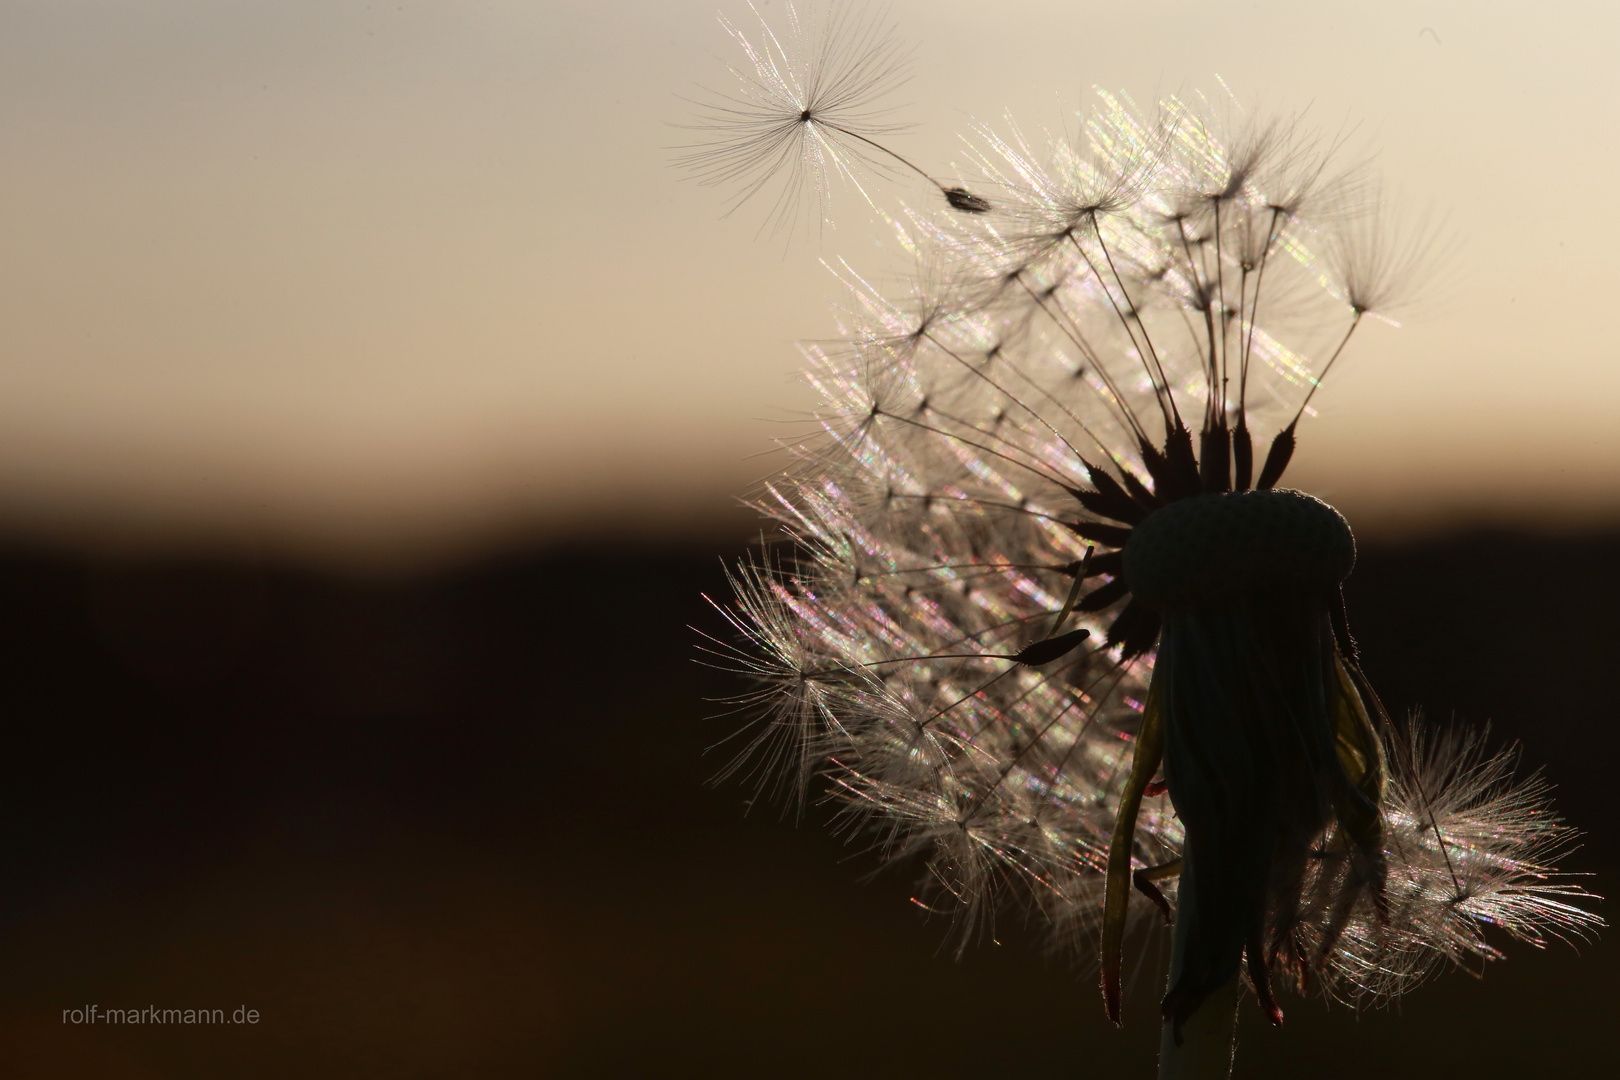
pixel 1046 619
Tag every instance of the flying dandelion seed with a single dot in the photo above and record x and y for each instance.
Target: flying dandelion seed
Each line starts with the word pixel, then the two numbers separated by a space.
pixel 1046 620
pixel 810 110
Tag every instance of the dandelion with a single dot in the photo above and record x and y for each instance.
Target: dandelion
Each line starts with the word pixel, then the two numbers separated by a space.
pixel 1040 622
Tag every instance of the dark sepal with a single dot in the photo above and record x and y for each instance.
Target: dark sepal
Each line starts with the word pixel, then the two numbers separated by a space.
pixel 1044 652
pixel 1260 979
pixel 1147 888
pixel 1104 595
pixel 1277 458
pixel 1340 621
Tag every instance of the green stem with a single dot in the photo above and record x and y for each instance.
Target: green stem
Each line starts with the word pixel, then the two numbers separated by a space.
pixel 1208 1040
pixel 1209 1035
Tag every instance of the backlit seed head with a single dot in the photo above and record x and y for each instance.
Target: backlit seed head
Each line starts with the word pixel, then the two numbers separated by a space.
pixel 1032 549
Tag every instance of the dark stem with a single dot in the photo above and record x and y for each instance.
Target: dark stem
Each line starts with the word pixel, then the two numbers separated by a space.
pixel 1317 384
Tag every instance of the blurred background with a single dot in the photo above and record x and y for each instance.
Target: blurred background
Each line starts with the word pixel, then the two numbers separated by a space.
pixel 373 399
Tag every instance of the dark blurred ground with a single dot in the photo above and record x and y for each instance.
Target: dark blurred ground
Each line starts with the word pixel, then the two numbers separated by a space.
pixel 458 826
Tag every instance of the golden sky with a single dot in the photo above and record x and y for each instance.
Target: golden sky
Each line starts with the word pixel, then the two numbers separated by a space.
pixel 401 278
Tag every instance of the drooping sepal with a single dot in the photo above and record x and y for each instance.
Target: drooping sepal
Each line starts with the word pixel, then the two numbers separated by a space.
pixel 1117 888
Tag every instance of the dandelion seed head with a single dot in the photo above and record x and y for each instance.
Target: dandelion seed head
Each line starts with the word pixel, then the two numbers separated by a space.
pixel 1037 553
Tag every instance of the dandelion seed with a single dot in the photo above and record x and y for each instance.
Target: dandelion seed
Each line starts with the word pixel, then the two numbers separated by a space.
pixel 1376 266
pixel 809 111
pixel 1067 645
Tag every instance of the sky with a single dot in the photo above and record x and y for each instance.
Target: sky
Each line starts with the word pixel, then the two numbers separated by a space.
pixel 401 281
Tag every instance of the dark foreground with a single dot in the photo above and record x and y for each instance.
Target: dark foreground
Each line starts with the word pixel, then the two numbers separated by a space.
pixel 458 826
